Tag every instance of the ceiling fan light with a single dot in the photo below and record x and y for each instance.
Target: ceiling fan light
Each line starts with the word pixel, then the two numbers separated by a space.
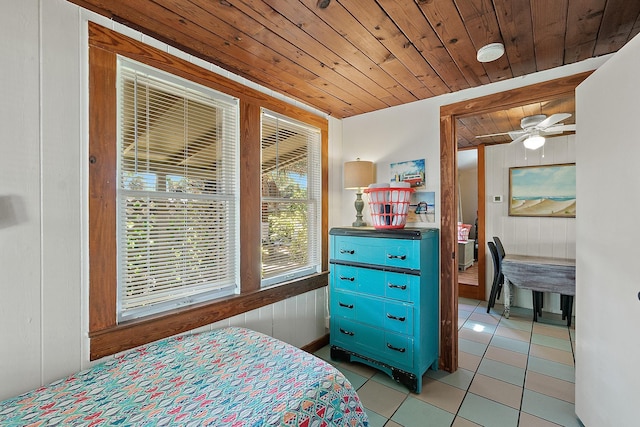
pixel 534 142
pixel 490 52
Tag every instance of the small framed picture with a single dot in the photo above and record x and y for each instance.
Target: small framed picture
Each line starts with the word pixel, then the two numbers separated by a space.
pixel 412 171
pixel 422 207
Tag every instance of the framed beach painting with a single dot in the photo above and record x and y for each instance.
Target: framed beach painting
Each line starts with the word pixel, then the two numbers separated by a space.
pixel 547 191
pixel 412 171
pixel 422 207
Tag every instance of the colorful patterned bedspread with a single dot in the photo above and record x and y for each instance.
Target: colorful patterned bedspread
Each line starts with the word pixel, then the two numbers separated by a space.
pixel 228 377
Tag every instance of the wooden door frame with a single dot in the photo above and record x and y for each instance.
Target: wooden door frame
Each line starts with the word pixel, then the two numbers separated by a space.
pixel 545 91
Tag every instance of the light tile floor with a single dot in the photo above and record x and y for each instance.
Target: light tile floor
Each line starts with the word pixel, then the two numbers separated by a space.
pixel 512 372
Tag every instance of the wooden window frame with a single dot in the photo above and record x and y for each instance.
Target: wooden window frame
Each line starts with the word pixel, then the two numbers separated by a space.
pixel 106 335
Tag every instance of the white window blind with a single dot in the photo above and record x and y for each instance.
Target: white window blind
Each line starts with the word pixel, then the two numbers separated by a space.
pixel 291 199
pixel 177 192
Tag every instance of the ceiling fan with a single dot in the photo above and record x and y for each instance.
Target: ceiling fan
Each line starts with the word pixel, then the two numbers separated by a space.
pixel 535 128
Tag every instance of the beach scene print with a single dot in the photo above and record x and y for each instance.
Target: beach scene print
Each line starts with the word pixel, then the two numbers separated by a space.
pixel 422 207
pixel 412 172
pixel 543 191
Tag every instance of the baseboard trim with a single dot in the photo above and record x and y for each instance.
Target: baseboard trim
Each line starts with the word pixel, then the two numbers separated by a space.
pixel 316 345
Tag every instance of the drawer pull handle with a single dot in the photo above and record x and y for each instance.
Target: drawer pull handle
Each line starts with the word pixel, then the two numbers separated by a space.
pixel 401 287
pixel 351 279
pixel 401 350
pixel 392 317
pixel 400 257
pixel 348 333
pixel 341 304
pixel 347 251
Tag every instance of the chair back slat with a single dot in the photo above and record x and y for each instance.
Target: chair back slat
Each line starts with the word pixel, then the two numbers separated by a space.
pixel 499 246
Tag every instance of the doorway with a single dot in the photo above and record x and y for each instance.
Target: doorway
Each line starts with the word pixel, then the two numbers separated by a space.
pixel 471 273
pixel 548 90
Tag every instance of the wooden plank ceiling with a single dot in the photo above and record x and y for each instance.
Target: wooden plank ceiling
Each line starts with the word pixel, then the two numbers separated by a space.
pixel 357 56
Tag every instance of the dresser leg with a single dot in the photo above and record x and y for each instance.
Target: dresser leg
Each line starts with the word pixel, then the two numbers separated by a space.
pixel 339 354
pixel 405 378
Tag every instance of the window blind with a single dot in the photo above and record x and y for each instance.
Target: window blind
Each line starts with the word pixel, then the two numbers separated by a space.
pixel 291 198
pixel 177 192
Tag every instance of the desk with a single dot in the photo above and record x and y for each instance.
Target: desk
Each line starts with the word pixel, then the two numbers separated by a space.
pixel 541 274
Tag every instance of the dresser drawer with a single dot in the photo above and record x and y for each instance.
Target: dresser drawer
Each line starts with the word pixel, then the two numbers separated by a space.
pixel 397 286
pixel 400 253
pixel 377 312
pixel 345 277
pixel 344 304
pixel 387 347
pixel 403 287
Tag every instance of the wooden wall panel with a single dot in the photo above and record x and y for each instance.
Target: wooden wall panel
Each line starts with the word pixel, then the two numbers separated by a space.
pixel 102 190
pixel 250 197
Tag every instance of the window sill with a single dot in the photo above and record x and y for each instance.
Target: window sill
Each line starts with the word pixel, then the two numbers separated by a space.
pixel 142 331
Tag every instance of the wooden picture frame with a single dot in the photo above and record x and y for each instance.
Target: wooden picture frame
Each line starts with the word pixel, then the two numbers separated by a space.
pixel 543 191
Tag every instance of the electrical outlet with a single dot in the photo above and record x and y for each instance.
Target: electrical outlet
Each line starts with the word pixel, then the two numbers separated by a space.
pixel 497 199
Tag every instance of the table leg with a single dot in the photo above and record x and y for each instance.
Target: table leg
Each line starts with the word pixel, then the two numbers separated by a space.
pixel 508 296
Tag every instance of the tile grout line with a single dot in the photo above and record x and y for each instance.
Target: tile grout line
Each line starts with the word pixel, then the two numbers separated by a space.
pixel 526 373
pixel 466 392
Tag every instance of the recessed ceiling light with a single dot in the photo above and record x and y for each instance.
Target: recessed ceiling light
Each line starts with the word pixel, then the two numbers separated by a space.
pixel 490 52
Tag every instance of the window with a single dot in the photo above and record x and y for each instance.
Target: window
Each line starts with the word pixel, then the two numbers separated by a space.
pixel 177 190
pixel 175 170
pixel 291 199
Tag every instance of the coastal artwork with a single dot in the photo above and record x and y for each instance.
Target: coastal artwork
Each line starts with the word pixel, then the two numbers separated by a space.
pixel 412 171
pixel 422 207
pixel 548 191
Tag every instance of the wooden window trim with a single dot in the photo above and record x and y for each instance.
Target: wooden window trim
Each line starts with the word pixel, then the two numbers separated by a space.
pixel 106 335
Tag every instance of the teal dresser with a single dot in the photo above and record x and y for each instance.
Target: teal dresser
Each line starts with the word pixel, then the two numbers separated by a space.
pixel 384 300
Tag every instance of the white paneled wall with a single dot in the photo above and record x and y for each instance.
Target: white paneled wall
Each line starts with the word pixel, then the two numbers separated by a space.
pixel 20 255
pixel 554 237
pixel 297 321
pixel 44 199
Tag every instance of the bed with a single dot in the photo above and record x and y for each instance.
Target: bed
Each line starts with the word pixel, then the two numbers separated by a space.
pixel 227 377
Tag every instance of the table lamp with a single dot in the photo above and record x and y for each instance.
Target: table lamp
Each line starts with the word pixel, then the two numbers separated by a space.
pixel 357 175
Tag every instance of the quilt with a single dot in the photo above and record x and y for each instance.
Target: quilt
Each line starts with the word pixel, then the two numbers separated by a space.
pixel 227 377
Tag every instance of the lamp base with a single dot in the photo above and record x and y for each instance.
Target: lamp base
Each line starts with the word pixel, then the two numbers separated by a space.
pixel 359 223
pixel 359 204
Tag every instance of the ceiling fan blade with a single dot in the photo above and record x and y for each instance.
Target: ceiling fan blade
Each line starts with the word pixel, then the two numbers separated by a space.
pixel 557 130
pixel 552 120
pixel 520 138
pixel 517 133
pixel 492 134
pixel 560 128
